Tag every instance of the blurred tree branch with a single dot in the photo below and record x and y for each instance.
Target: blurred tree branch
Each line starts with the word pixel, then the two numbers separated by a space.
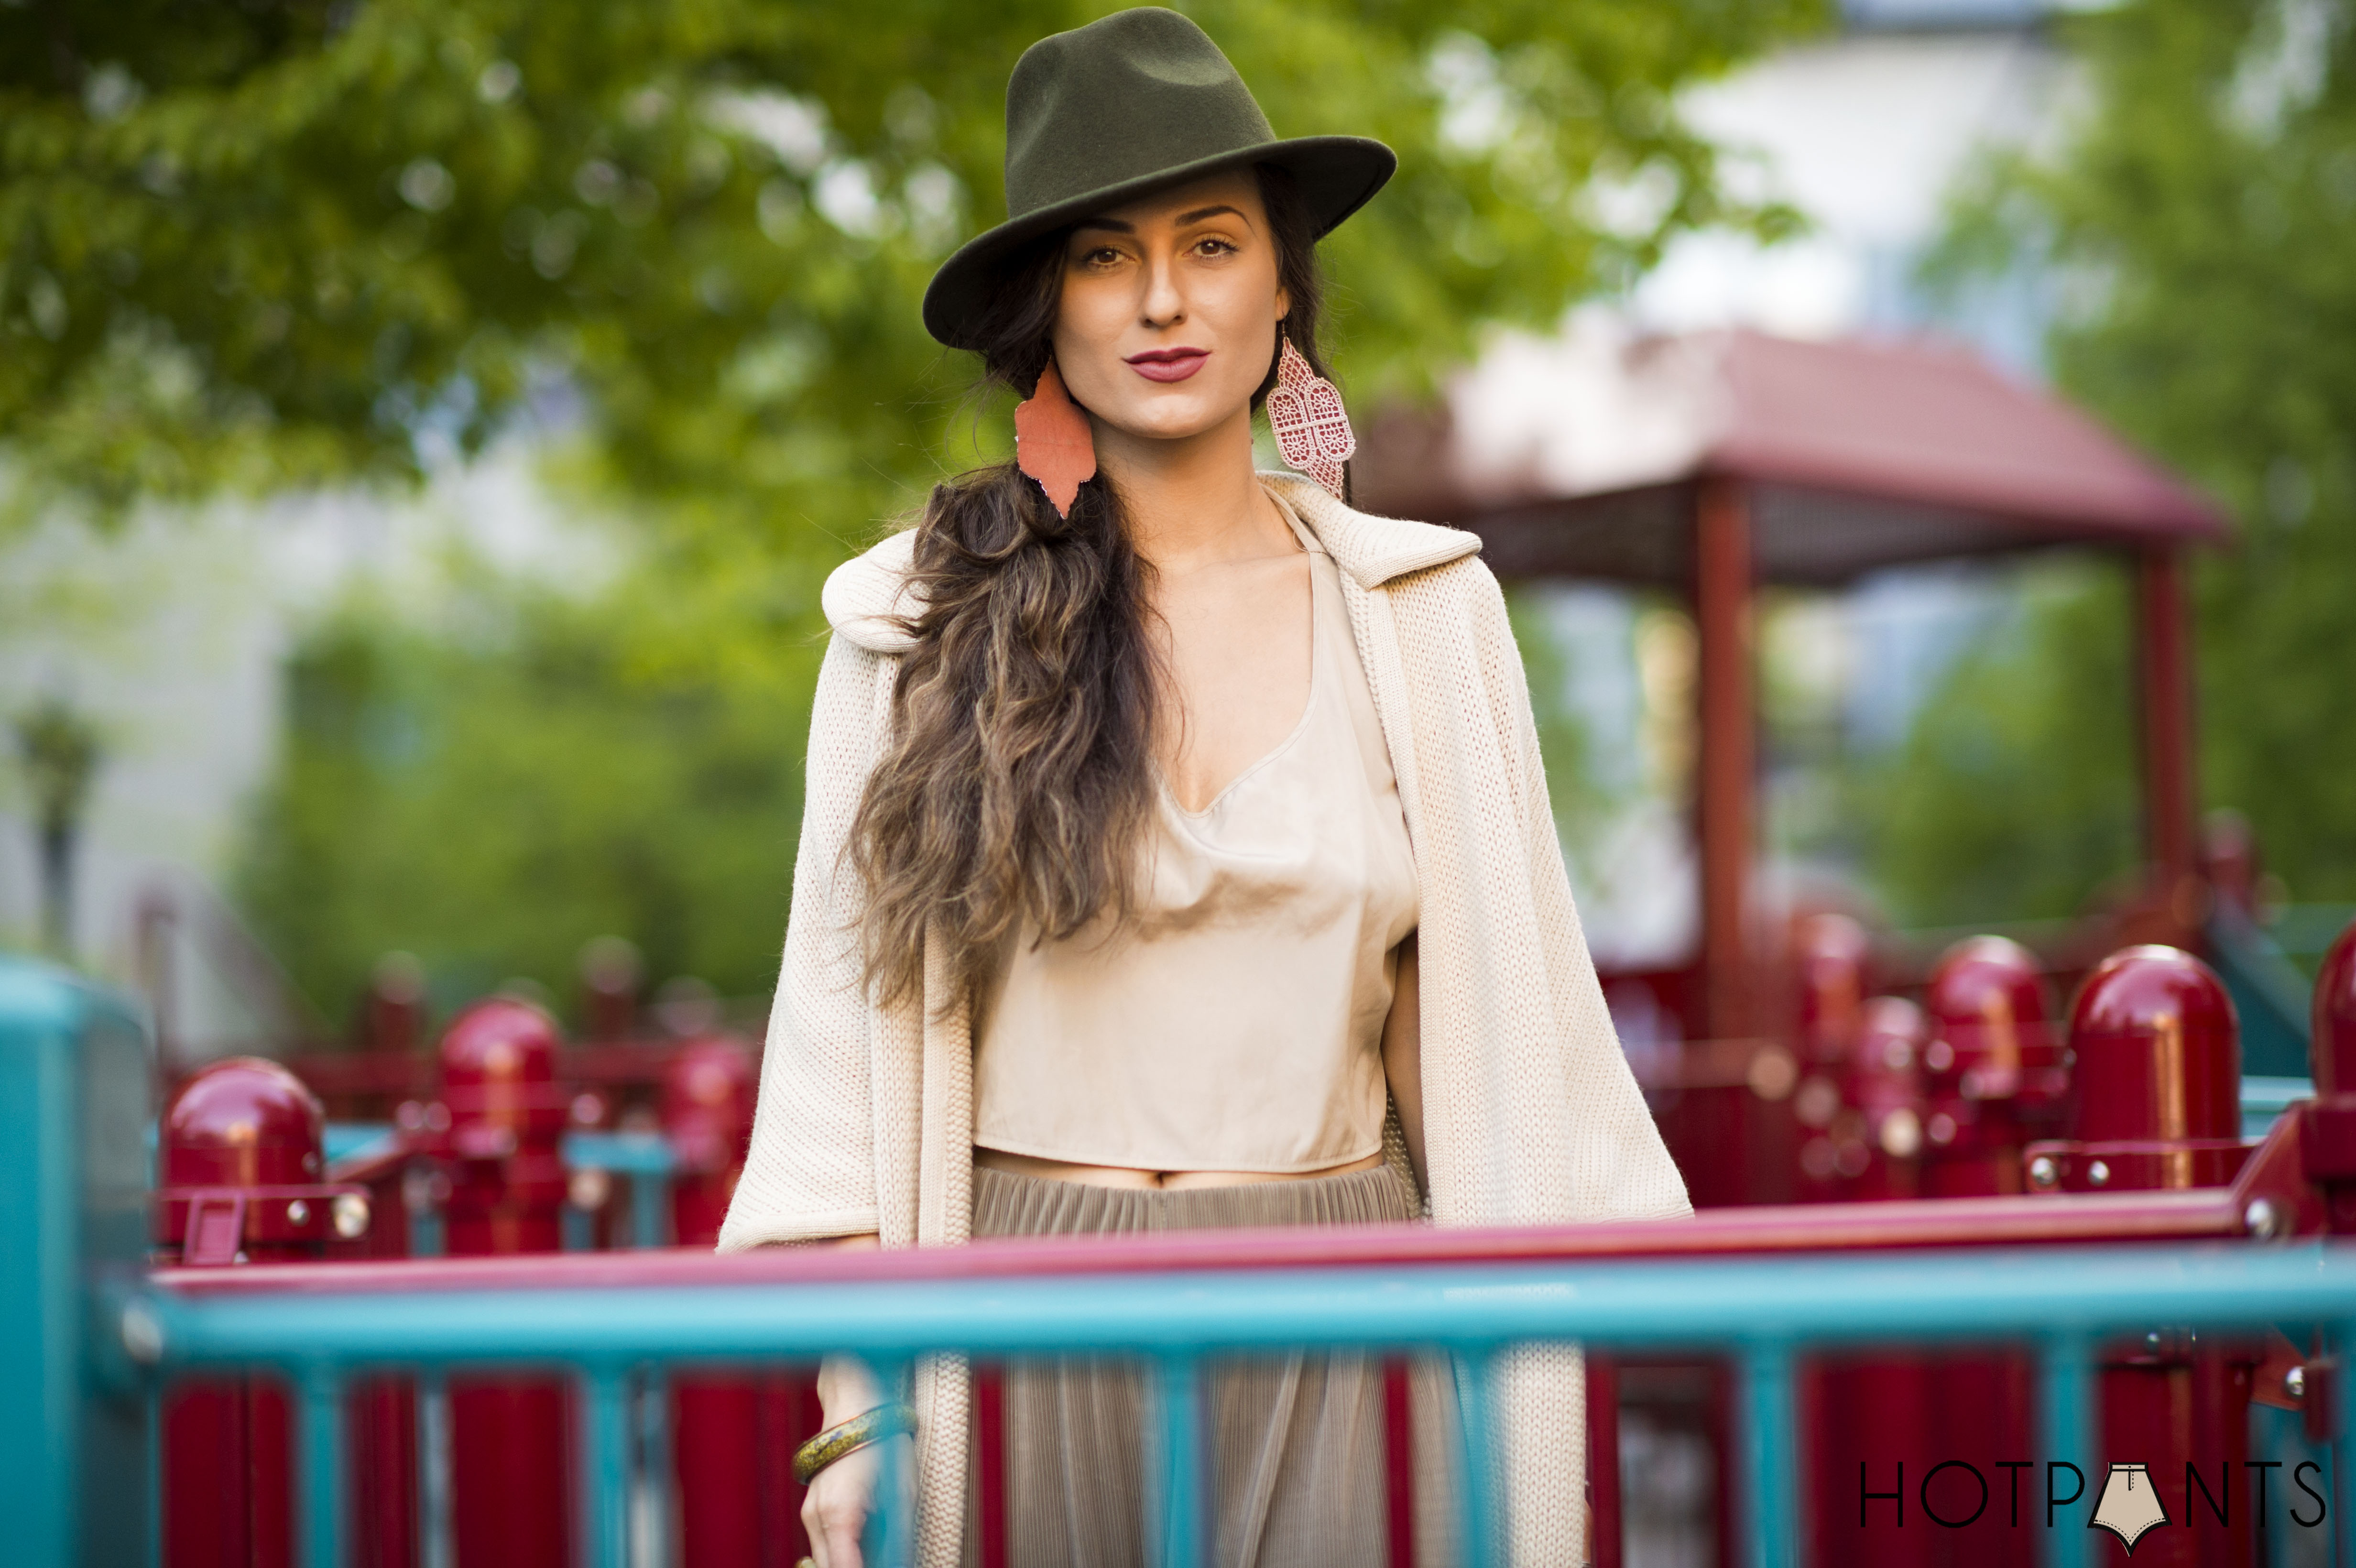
pixel 286 244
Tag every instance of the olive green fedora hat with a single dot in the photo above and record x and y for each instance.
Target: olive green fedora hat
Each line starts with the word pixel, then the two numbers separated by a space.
pixel 1109 111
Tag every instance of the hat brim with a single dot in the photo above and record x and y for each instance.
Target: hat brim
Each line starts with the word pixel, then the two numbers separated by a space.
pixel 1334 175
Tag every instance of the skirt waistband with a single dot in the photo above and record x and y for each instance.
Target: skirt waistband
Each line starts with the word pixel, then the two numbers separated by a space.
pixel 1007 1204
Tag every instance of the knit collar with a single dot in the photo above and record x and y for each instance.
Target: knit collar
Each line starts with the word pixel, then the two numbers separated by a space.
pixel 1372 549
pixel 868 597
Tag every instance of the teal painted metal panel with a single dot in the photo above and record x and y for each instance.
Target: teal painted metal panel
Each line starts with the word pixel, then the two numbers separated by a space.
pixel 1770 1478
pixel 2066 1425
pixel 2264 1099
pixel 1477 1498
pixel 75 1453
pixel 322 1468
pixel 1180 1493
pixel 40 1352
pixel 345 1140
pixel 606 1466
pixel 2270 994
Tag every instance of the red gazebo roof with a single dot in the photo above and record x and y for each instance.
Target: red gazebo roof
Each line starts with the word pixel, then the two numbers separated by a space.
pixel 1578 456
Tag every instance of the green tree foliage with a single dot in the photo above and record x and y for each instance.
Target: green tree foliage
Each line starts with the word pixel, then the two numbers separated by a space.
pixel 490 790
pixel 288 243
pixel 281 241
pixel 2198 229
pixel 2015 793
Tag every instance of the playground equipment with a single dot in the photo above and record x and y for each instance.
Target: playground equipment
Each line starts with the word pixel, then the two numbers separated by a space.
pixel 2137 1315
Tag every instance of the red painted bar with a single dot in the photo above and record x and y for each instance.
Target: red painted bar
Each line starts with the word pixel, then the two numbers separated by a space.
pixel 1907 1224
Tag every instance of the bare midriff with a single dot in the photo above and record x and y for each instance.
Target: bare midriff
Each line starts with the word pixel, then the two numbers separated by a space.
pixel 1168 1180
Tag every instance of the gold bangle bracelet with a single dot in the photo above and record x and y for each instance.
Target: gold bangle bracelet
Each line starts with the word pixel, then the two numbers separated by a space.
pixel 888 1420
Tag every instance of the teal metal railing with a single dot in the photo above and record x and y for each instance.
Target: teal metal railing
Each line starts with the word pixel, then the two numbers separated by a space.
pixel 87 1337
pixel 1762 1312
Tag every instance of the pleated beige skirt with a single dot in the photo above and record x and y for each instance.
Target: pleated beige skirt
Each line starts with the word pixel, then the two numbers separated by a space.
pixel 1297 1467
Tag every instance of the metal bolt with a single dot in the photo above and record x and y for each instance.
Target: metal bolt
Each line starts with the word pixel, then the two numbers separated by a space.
pixel 2098 1175
pixel 2043 1172
pixel 143 1337
pixel 2294 1382
pixel 2262 1218
pixel 298 1212
pixel 349 1214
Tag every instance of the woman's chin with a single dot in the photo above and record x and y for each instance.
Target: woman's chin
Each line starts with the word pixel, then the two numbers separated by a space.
pixel 1165 423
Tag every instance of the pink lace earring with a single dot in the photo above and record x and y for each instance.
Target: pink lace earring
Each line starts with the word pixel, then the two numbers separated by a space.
pixel 1053 443
pixel 1311 426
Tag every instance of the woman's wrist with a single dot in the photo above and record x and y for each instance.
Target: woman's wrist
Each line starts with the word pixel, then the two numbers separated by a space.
pixel 846 1387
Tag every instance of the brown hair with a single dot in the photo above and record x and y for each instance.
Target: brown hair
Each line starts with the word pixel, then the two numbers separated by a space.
pixel 1019 774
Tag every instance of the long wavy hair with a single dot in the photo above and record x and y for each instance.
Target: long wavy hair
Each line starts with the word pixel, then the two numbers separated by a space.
pixel 1014 794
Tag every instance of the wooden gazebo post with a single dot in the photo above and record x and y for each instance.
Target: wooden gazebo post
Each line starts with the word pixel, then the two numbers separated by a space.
pixel 1724 576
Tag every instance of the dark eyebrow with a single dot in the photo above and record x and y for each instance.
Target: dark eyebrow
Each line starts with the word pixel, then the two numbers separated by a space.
pixel 1115 224
pixel 1200 213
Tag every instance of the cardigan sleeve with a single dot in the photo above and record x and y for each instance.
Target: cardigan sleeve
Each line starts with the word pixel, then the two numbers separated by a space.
pixel 1622 1171
pixel 809 1173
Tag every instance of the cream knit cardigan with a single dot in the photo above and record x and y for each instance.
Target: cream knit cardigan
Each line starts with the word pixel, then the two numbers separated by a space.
pixel 1530 1113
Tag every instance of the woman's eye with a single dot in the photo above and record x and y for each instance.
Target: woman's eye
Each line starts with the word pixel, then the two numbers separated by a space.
pixel 1216 248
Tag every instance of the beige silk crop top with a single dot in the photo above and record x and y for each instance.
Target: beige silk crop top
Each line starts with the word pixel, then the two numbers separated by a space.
pixel 1235 1022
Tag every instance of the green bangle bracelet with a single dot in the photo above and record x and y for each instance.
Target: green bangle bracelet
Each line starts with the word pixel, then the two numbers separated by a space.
pixel 888 1420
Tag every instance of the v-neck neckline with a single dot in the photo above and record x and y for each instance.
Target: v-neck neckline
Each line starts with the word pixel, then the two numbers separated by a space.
pixel 1300 726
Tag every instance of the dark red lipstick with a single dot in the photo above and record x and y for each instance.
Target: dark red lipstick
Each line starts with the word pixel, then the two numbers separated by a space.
pixel 1168 363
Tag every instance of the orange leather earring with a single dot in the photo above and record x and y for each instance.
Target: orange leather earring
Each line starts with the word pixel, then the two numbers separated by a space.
pixel 1053 443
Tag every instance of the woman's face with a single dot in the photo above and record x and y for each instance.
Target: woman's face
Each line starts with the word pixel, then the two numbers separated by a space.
pixel 1170 304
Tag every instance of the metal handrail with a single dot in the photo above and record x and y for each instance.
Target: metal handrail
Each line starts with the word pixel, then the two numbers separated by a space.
pixel 1762 1310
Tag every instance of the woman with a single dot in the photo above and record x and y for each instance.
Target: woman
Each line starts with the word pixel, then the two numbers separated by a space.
pixel 1176 849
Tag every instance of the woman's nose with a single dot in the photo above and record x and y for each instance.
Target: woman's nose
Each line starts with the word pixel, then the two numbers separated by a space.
pixel 1165 303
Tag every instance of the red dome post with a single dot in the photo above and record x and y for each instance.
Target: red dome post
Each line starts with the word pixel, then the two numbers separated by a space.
pixel 708 1091
pixel 240 1162
pixel 2157 1099
pixel 1992 1071
pixel 1832 954
pixel 2156 1104
pixel 1987 1064
pixel 2332 1053
pixel 1982 1043
pixel 1885 1088
pixel 510 1438
pixel 1877 1404
pixel 732 1438
pixel 1829 954
pixel 2328 1133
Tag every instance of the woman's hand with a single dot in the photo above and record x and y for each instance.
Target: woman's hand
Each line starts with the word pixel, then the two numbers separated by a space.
pixel 840 1498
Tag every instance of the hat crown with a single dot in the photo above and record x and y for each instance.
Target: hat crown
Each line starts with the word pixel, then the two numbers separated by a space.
pixel 1121 99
